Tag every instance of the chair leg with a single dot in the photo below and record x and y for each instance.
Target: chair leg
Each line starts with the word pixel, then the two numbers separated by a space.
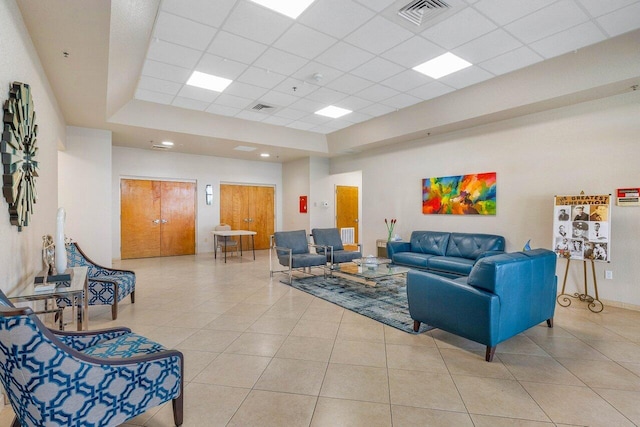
pixel 489 354
pixel 15 422
pixel 178 404
pixel 114 310
pixel 550 322
pixel 416 325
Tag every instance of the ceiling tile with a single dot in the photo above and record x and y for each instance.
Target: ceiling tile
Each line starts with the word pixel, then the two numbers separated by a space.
pixel 336 17
pixel 344 57
pixel 158 85
pixel 488 46
pixel 459 29
pixel 236 48
pixel 191 104
pixel 278 98
pixel 158 98
pixel 406 80
pixel 221 67
pixel 174 29
pixel 302 89
pixel 307 73
pixel 621 21
pixel 280 61
pixel 545 22
pixel 200 94
pixel 349 84
pixel 223 110
pixel 377 110
pixel 173 54
pixel 278 121
pixel 233 101
pixel 260 77
pixel 413 51
pixel 467 77
pixel 510 61
pixel 291 113
pixel 208 12
pixel 164 71
pixel 308 105
pixel 598 7
pixel 354 103
pixel 377 5
pixel 431 90
pixel 504 12
pixel 317 119
pixel 245 90
pixel 402 100
pixel 569 40
pixel 256 23
pixel 304 41
pixel 377 93
pixel 378 35
pixel 377 69
pixel 326 96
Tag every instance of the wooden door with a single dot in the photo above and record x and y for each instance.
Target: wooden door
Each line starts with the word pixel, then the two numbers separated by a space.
pixel 178 218
pixel 139 218
pixel 249 207
pixel 157 218
pixel 347 208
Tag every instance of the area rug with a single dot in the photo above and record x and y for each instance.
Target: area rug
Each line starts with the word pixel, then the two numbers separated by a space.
pixel 386 302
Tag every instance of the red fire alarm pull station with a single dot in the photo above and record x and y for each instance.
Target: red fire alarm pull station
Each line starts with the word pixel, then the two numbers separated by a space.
pixel 303 204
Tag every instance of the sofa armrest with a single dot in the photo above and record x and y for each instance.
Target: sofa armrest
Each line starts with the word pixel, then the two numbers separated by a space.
pixel 488 253
pixel 395 247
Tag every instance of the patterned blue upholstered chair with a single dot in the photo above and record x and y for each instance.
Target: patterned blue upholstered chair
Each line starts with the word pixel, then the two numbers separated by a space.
pixel 330 238
pixel 107 286
pixel 95 378
pixel 291 248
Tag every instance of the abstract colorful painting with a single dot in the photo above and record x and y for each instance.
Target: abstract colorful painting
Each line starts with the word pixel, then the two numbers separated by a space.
pixel 460 195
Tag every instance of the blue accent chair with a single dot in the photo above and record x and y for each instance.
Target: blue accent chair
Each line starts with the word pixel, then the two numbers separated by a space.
pixel 291 248
pixel 95 378
pixel 107 286
pixel 503 296
pixel 330 238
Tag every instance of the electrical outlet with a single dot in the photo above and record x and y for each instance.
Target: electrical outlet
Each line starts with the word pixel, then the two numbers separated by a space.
pixel 608 274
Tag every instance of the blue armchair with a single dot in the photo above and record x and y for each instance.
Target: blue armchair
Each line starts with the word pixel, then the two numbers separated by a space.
pixel 335 253
pixel 291 248
pixel 107 286
pixel 503 296
pixel 96 378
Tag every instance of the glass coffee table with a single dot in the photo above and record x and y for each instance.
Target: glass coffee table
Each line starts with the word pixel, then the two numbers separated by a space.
pixel 368 270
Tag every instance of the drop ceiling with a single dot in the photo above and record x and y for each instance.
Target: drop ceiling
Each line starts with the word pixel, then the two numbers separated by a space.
pixel 353 54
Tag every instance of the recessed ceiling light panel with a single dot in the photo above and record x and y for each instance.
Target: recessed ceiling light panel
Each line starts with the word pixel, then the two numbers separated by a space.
pixel 167 143
pixel 333 112
pixel 244 148
pixel 442 66
pixel 208 81
pixel 290 8
pixel 265 155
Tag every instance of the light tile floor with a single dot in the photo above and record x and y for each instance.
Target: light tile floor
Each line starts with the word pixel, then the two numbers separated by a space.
pixel 259 353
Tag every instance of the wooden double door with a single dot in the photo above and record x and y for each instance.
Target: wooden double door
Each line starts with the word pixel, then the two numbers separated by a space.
pixel 157 218
pixel 249 207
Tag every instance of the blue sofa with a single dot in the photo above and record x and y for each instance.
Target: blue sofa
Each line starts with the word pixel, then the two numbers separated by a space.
pixel 448 254
pixel 503 296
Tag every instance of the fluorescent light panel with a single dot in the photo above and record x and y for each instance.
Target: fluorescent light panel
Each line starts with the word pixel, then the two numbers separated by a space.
pixel 290 8
pixel 208 81
pixel 265 155
pixel 244 148
pixel 442 66
pixel 333 112
pixel 167 143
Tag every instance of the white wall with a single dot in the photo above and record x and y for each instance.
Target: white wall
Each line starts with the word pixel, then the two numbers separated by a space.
pixel 134 163
pixel 320 191
pixel 20 251
pixel 84 190
pixel 296 183
pixel 592 146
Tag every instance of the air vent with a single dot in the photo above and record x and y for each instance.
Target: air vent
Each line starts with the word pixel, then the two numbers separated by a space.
pixel 261 107
pixel 420 11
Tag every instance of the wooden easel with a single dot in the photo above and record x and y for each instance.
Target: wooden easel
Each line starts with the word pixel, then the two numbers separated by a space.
pixel 594 304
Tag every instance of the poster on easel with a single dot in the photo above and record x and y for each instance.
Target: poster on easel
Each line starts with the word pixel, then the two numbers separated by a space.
pixel 582 227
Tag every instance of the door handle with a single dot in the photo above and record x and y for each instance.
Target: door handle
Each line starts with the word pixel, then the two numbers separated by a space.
pixel 357 220
pixel 156 221
pixel 164 221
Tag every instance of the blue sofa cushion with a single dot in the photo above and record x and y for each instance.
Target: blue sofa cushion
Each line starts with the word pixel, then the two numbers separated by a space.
pixel 472 245
pixel 459 266
pixel 411 258
pixel 429 242
pixel 303 260
pixel 344 256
